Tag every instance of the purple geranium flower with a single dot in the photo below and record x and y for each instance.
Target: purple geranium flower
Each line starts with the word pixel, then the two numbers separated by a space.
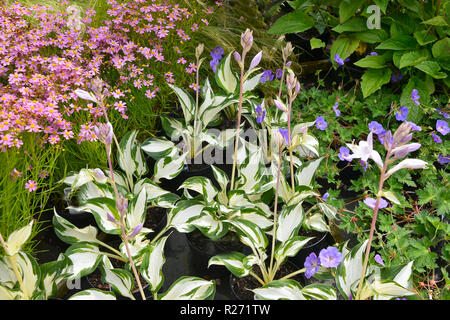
pixel 325 196
pixel 442 127
pixel 312 263
pixel 344 154
pixel 371 203
pixel 267 76
pixel 376 127
pixel 436 138
pixel 278 73
pixel 373 53
pixel 321 124
pixel 402 114
pixel 336 110
pixel 214 63
pixel 396 76
pixel 443 159
pixel 285 134
pixel 217 53
pixel 330 257
pixel 363 164
pixel 379 259
pixel 415 96
pixel 260 114
pixel 338 60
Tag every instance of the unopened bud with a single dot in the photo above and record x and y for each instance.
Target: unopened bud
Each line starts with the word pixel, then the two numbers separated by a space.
pixel 110 217
pixel 401 134
pixel 104 133
pixel 247 40
pixel 122 204
pixel 237 57
pixel 287 51
pixel 97 86
pixel 99 175
pixel 136 230
pixel 199 50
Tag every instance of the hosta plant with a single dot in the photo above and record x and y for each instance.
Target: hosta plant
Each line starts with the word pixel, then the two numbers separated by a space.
pixel 21 277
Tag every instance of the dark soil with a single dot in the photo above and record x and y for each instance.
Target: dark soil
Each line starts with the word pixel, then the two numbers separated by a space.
pixel 155 219
pixel 242 286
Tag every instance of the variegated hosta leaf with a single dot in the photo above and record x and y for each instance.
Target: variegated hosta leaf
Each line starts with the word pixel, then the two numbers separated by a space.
pixel 258 217
pixel 253 259
pixel 168 167
pixel 388 289
pixel 100 208
pixel 158 147
pixel 221 177
pixel 167 200
pixel 225 77
pixel 137 210
pixel 121 281
pixel 349 270
pixel 93 294
pixel 208 97
pixel 136 245
pixel 152 189
pixel 305 173
pixel 226 138
pixel 238 199
pixel 280 290
pixel 187 103
pixel 402 279
pixel 18 238
pixel 29 271
pixel 329 210
pixel 289 222
pixel 76 180
pixel 52 273
pixel 301 195
pixel 152 264
pixel 93 190
pixel 85 258
pixel 251 172
pixel 183 214
pixel 7 276
pixel 250 84
pixel 201 185
pixel 190 288
pixel 250 234
pixel 290 248
pixel 233 261
pixel 317 222
pixel 126 157
pixel 211 226
pixel 120 180
pixel 319 291
pixel 9 294
pixel 218 104
pixel 69 233
pixel 172 127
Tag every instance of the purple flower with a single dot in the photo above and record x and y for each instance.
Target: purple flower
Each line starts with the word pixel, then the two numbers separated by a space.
pixel 344 154
pixel 260 114
pixel 376 128
pixel 436 138
pixel 330 257
pixel 321 124
pixel 378 259
pixel 136 230
pixel 415 96
pixel 414 127
pixel 285 134
pixel 336 110
pixel 278 73
pixel 370 202
pixel 400 299
pixel 214 63
pixel 267 76
pixel 363 164
pixel 217 53
pixel 373 53
pixel 402 114
pixel 325 196
pixel 443 159
pixel 338 60
pixel 396 76
pixel 312 263
pixel 442 127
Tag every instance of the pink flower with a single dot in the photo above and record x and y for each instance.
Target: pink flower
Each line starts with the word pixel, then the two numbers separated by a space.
pixel 31 186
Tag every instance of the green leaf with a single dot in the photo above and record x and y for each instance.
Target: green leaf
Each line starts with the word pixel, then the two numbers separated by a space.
pixel 382 4
pixel 69 233
pixel 233 261
pixel 356 24
pixel 152 264
pixel 168 167
pixel 440 51
pixel 374 62
pixel 190 288
pixel 225 77
pixel 436 21
pixel 280 290
pixel 93 294
pixel 424 37
pixel 157 148
pixel 344 46
pixel 372 36
pixel 187 103
pixel 85 258
pixel 316 43
pixel 293 22
pixel 432 68
pixel 374 79
pixel 183 214
pixel 400 42
pixel 347 8
pixel 413 58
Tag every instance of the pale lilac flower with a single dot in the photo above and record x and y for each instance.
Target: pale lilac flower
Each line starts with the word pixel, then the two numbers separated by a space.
pixel 338 60
pixel 408 164
pixel 136 230
pixel 255 61
pixel 336 110
pixel 267 76
pixel 442 127
pixel 330 257
pixel 364 151
pixel 321 124
pixel 278 73
pixel 285 134
pixel 213 64
pixel 402 114
pixel 443 159
pixel 371 202
pixel 312 264
pixel 378 259
pixel 414 127
pixel 325 196
pixel 376 127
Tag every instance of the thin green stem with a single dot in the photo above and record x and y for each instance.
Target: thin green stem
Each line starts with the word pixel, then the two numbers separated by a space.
pixel 274 230
pixel 290 275
pixel 257 278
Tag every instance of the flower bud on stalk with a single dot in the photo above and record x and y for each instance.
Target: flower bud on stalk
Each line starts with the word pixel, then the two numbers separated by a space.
pixel 287 51
pixel 401 135
pixel 104 133
pixel 199 50
pixel 247 40
pixel 136 230
pixel 122 205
